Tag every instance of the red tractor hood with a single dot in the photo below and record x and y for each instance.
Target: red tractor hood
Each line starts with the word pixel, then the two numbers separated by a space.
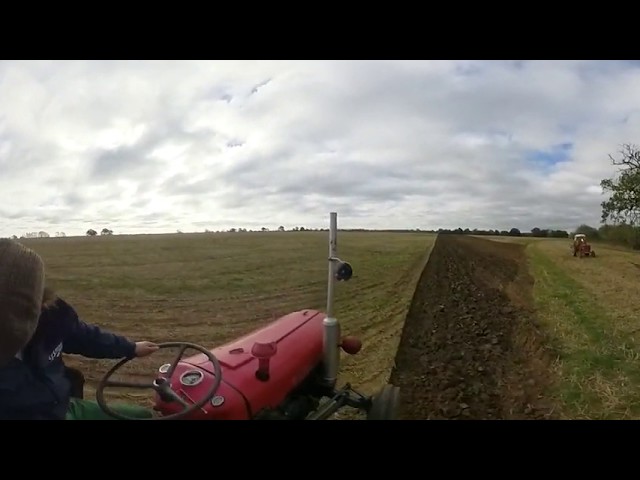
pixel 295 342
pixel 294 328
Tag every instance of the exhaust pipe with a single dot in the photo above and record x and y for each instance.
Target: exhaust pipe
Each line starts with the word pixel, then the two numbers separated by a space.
pixel 331 338
pixel 339 271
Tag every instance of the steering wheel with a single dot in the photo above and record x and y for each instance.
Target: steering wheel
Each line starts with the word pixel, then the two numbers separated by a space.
pixel 162 386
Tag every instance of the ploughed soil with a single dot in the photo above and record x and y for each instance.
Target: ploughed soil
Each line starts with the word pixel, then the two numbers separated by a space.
pixel 470 347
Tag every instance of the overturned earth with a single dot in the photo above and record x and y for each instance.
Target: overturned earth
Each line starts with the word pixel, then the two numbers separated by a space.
pixel 470 348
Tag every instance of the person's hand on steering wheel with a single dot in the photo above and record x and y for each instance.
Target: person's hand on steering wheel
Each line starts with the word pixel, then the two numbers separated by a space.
pixel 145 348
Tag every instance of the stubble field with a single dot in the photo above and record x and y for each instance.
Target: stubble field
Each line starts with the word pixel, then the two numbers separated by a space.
pixel 211 288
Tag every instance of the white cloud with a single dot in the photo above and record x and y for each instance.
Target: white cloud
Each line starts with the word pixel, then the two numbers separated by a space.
pixel 160 146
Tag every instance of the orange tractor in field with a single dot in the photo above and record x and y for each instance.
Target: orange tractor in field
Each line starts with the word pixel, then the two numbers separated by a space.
pixel 582 248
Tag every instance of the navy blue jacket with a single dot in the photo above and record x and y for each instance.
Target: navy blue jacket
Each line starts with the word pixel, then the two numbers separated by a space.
pixel 35 387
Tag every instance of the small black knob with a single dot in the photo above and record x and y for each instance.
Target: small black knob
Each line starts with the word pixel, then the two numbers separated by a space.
pixel 344 272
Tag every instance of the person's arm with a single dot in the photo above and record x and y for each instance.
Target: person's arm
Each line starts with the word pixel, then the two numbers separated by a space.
pixel 92 342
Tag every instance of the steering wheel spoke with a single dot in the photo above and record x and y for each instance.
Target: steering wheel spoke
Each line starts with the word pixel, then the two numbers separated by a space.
pixel 176 360
pixel 124 384
pixel 170 394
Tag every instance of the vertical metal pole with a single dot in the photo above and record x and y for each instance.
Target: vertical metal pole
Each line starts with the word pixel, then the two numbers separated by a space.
pixel 333 253
pixel 331 337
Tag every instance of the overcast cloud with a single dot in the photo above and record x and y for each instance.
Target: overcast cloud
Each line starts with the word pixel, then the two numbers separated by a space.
pixel 158 146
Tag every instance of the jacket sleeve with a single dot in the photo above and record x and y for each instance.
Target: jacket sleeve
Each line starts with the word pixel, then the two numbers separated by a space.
pixel 92 342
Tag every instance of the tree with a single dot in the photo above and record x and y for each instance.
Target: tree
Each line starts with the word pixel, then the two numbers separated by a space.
pixel 588 231
pixel 91 232
pixel 106 231
pixel 558 234
pixel 622 207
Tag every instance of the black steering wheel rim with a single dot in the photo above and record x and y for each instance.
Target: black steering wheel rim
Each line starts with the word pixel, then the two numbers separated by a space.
pixel 163 386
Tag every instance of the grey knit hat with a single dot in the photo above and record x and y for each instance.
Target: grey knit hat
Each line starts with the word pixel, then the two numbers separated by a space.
pixel 21 290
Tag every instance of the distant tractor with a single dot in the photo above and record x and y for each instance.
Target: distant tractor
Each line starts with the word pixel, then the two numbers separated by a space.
pixel 581 247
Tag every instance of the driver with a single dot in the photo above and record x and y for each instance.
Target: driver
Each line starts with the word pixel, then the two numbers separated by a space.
pixel 36 327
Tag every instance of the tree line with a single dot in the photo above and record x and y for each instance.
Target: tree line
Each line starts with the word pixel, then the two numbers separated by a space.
pixel 514 232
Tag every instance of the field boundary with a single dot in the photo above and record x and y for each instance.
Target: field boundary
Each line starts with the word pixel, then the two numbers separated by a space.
pixel 395 333
pixel 414 295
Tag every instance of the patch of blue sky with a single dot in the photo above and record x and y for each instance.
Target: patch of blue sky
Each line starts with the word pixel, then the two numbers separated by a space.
pixel 548 158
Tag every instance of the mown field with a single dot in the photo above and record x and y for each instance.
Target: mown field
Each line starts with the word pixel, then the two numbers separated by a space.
pixel 210 288
pixel 589 311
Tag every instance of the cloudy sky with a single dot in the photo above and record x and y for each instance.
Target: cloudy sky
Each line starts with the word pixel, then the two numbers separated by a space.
pixel 155 146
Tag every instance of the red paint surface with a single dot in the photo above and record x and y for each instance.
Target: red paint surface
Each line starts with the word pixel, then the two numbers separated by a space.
pixel 298 341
